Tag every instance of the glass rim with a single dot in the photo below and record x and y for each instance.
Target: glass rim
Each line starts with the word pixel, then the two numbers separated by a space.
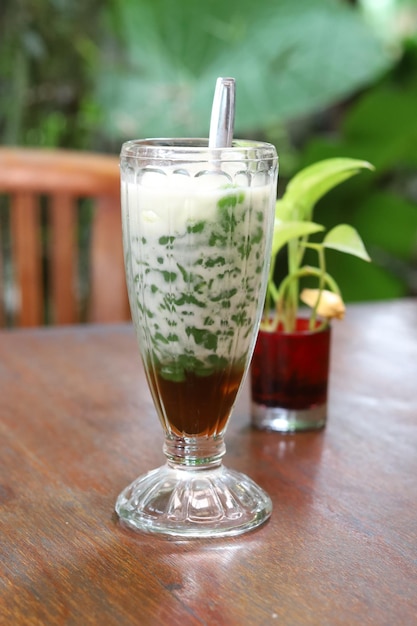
pixel 174 148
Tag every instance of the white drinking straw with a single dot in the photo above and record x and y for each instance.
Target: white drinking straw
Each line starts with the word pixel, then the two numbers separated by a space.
pixel 222 114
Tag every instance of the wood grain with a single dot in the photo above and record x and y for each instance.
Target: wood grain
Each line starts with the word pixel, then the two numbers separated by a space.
pixel 63 252
pixel 27 252
pixel 46 170
pixel 45 275
pixel 77 424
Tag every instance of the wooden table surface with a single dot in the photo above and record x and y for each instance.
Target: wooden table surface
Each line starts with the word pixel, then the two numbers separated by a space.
pixel 77 425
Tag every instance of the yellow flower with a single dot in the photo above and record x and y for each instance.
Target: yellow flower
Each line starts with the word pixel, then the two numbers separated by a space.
pixel 330 303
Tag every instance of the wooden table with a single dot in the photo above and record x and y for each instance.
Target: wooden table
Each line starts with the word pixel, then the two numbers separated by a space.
pixel 77 424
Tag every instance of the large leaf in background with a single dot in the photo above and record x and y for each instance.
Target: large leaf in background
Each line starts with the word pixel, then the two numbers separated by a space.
pixel 289 58
pixel 388 224
pixel 381 126
pixel 361 281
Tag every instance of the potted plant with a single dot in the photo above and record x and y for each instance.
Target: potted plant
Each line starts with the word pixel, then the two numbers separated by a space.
pixel 290 365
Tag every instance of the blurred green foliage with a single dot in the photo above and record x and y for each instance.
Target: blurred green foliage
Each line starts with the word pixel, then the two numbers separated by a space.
pixel 381 126
pixel 49 54
pixel 80 73
pixel 288 58
pixel 317 78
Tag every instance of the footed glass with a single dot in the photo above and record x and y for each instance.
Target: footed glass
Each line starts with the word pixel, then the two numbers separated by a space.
pixel 197 229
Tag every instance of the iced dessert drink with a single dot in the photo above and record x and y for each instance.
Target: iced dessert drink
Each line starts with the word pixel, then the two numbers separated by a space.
pixel 196 237
pixel 197 229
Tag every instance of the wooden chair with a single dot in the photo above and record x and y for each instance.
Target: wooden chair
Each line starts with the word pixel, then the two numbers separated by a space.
pixel 43 194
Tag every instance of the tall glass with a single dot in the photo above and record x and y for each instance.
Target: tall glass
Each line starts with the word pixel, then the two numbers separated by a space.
pixel 197 229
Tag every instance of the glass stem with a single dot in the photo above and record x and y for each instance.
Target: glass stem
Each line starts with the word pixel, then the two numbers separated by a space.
pixel 198 452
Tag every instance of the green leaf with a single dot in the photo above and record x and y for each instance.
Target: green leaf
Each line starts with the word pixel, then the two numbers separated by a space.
pixel 345 238
pixel 279 74
pixel 314 181
pixel 285 231
pixel 285 211
pixel 371 130
pixel 374 220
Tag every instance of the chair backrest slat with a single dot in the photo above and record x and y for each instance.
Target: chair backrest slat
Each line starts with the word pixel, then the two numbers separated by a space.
pixel 48 190
pixel 63 255
pixel 27 257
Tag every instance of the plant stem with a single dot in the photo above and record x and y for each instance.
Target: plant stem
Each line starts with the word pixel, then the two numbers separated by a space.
pixel 280 295
pixel 291 307
pixel 322 269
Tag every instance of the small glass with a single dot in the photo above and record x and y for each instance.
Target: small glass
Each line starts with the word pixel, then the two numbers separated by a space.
pixel 197 229
pixel 289 379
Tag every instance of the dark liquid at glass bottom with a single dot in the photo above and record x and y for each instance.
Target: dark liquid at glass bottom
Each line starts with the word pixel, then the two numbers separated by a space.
pixel 198 405
pixel 290 370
